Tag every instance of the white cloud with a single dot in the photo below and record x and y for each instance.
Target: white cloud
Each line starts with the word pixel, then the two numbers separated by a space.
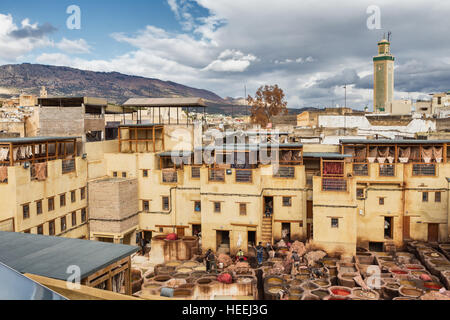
pixel 12 48
pixel 231 61
pixel 74 46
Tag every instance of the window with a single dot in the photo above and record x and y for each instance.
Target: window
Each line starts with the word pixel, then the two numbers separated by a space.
pixel 83 215
pixel 287 201
pixel 360 193
pixel 165 203
pixel 63 224
pixel 197 206
pixel 242 209
pixel 83 193
pixel 73 196
pixel 334 222
pixel 439 100
pixel 161 230
pixel 39 207
pixel 40 229
pixel 62 200
pixel 51 204
pixel 51 228
pixel 115 174
pixel 26 211
pixel 381 201
pixel 124 174
pixel 424 196
pixel 74 219
pixel 27 231
pixel 145 206
pixel 437 197
pixel 195 172
pixel 145 173
pixel 217 207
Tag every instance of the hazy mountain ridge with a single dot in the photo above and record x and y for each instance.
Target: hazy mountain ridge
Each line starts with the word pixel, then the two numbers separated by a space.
pixel 116 87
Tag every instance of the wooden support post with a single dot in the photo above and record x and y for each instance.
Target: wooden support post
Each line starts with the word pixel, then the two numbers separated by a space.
pixel 120 140
pixel 154 140
pixel 11 155
pixel 136 137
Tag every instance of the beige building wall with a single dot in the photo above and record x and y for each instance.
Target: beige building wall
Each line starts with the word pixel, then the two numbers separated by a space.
pixel 21 190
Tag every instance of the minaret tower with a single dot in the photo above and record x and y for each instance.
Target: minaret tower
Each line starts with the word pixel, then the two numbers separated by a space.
pixel 383 85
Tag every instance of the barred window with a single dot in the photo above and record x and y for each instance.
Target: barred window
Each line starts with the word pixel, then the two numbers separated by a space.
pixel 26 211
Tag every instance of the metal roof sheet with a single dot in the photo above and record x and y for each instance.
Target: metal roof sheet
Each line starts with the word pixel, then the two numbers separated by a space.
pixel 51 256
pixel 325 155
pixel 16 286
pixel 35 139
pixel 395 141
pixel 165 102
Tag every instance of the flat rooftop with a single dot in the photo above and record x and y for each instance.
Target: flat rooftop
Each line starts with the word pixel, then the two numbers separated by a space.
pixel 165 102
pixel 51 256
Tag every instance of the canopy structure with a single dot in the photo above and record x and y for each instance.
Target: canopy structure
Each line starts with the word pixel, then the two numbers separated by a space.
pixel 179 104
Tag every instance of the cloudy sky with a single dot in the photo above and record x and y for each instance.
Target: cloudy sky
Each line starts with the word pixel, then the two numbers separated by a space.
pixel 311 48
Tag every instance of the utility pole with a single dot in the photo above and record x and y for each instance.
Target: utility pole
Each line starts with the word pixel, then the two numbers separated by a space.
pixel 345 87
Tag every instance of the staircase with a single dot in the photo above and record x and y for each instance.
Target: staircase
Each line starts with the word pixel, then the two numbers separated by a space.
pixel 266 234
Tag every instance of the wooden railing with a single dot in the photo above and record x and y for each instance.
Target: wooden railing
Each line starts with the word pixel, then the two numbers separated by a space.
pixel 287 172
pixel 386 170
pixel 169 176
pixel 361 169
pixel 244 175
pixel 68 166
pixel 424 169
pixel 216 175
pixel 334 184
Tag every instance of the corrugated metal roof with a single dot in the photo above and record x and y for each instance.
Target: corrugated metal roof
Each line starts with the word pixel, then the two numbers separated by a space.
pixel 325 155
pixel 35 139
pixel 16 286
pixel 51 256
pixel 250 147
pixel 394 141
pixel 165 102
pixel 175 154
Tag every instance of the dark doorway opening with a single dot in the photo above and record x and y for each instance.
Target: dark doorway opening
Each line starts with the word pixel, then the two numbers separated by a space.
pixel 196 229
pixel 376 246
pixel 223 240
pixel 268 207
pixel 388 228
pixel 286 232
pixel 251 238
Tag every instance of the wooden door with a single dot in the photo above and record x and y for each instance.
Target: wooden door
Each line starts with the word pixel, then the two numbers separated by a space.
pixel 309 230
pixel 433 232
pixel 180 232
pixel 309 209
pixel 406 227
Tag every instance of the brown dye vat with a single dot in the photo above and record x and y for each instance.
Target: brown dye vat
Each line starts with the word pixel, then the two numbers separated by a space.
pixel 365 294
pixel 182 293
pixel 329 263
pixel 151 288
pixel 397 271
pixel 296 291
pixel 304 271
pixel 190 286
pixel 346 279
pixel 440 262
pixel 309 286
pixel 198 274
pixel 163 269
pixel 309 296
pixel 432 255
pixel 295 283
pixel 204 281
pixel 417 274
pixel 321 293
pixel 245 279
pixel 161 278
pixel 347 267
pixel 365 258
pixel 181 275
pixel 322 283
pixel 333 271
pixel 302 277
pixel 408 283
pixel 404 298
pixel 335 298
pixel 410 292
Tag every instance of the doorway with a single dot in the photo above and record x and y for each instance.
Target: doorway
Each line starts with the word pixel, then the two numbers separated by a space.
pixel 309 209
pixel 251 238
pixel 223 240
pixel 196 229
pixel 388 228
pixel 309 231
pixel 268 206
pixel 180 232
pixel 433 232
pixel 286 232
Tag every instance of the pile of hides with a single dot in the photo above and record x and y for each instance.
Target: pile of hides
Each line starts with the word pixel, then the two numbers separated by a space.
pixel 172 236
pixel 314 256
pixel 225 259
pixel 225 278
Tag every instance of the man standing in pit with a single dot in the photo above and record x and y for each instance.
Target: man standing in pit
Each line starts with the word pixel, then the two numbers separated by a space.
pixel 259 253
